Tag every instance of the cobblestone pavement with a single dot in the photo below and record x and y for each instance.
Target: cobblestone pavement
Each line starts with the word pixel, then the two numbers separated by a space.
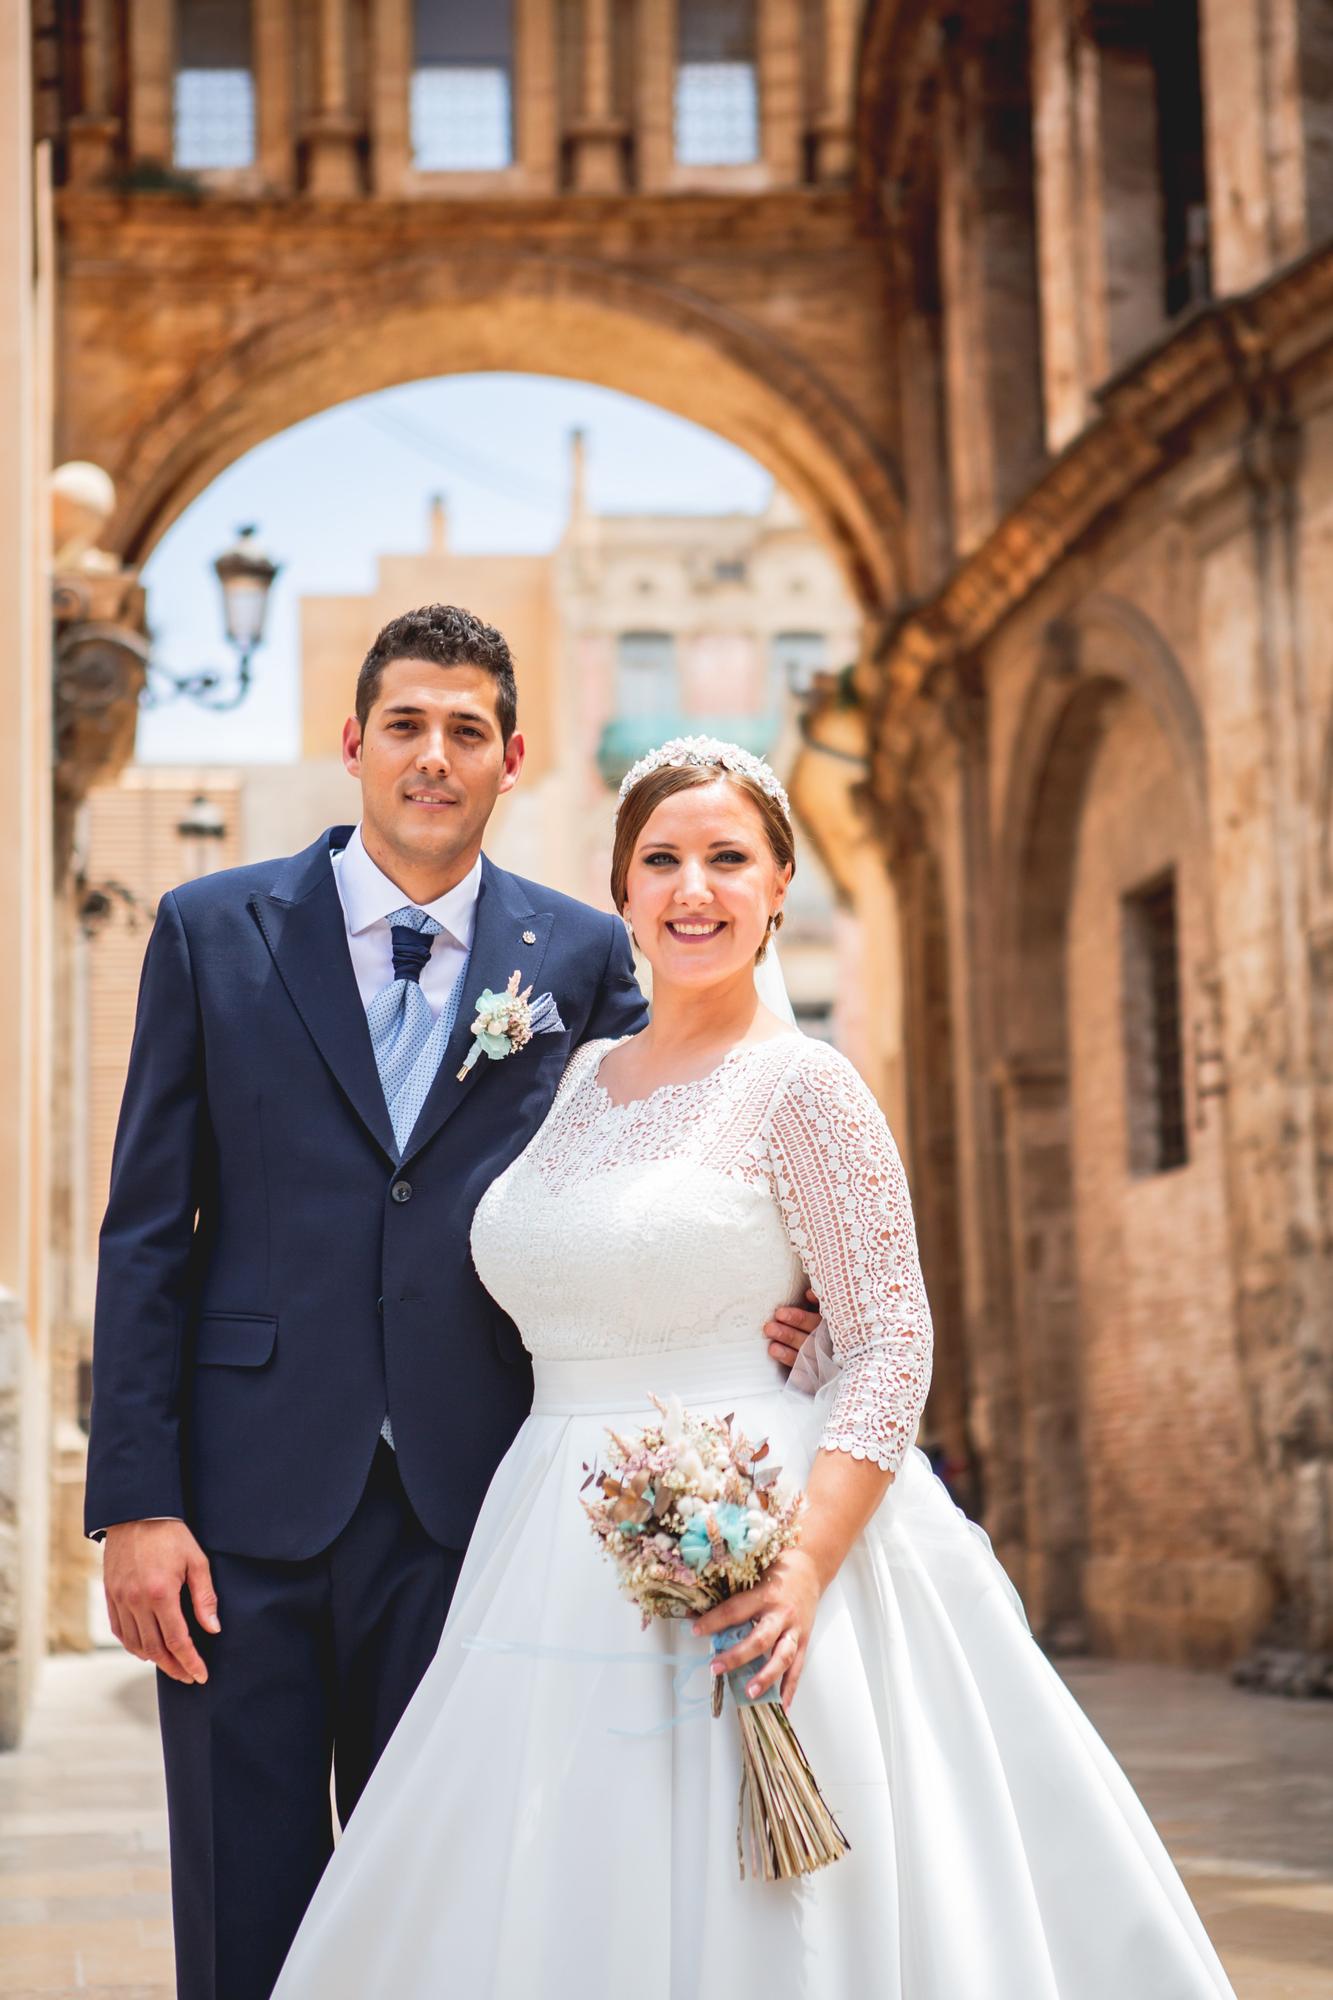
pixel 1240 1786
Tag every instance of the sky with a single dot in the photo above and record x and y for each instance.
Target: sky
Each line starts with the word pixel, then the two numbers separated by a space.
pixel 333 493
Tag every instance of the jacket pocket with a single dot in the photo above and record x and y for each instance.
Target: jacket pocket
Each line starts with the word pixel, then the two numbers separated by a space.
pixel 234 1340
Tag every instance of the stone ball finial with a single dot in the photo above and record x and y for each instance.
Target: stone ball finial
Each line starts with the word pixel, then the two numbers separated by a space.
pixel 83 499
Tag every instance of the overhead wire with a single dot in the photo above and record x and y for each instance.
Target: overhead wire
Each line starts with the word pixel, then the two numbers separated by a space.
pixel 445 452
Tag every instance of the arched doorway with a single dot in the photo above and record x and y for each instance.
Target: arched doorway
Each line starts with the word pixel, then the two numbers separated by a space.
pixel 1129 1376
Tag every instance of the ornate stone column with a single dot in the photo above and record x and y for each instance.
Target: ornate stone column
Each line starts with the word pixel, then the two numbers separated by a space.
pixel 598 139
pixel 781 115
pixel 390 95
pixel 332 167
pixel 1063 254
pixel 988 277
pixel 274 137
pixel 537 135
pixel 1266 126
pixel 834 149
pixel 654 111
pixel 91 138
pixel 152 62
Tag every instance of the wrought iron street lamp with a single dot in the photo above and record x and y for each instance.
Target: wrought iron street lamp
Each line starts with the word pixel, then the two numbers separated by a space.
pixel 246 574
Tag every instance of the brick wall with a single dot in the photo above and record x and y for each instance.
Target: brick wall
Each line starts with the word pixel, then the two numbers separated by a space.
pixel 1170 1476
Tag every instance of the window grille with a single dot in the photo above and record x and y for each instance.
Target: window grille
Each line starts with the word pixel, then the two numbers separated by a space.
pixel 462 87
pixel 1153 1029
pixel 213 98
pixel 717 84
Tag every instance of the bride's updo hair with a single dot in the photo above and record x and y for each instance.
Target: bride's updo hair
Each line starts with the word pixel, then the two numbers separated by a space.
pixel 641 802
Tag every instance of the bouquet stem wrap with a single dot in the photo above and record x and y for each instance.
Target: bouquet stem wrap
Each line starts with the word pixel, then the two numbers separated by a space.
pixel 692 1514
pixel 782 1810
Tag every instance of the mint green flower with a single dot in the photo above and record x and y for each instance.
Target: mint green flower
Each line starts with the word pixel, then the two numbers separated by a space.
pixel 695 1546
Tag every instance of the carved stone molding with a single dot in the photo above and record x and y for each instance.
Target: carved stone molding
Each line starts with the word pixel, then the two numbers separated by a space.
pixel 1221 354
pixel 100 653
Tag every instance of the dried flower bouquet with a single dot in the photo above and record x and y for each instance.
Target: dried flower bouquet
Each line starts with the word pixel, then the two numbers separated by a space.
pixel 690 1514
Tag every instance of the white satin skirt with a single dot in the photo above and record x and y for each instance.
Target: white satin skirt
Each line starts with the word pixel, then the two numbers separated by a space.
pixel 555 1817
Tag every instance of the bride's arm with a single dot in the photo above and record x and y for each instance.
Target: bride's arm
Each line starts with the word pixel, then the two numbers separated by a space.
pixel 843 1193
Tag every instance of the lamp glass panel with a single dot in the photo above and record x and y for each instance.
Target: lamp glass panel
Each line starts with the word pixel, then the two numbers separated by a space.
pixel 244 604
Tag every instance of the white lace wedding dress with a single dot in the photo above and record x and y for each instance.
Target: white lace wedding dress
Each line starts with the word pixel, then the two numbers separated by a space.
pixel 555 1818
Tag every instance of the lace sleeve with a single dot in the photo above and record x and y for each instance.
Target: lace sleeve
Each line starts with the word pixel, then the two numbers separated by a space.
pixel 843 1193
pixel 582 1064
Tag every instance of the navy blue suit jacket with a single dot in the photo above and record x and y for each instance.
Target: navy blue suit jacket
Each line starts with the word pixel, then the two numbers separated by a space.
pixel 272 1277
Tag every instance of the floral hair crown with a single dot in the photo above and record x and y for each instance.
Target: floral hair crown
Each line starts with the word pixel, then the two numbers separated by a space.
pixel 707 753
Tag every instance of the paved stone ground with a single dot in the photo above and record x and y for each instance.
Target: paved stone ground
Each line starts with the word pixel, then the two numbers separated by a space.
pixel 1240 1786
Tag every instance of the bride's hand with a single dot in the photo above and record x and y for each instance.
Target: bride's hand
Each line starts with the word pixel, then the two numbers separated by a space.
pixel 783 1606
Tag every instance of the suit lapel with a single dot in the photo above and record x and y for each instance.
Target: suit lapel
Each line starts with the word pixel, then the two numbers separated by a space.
pixel 504 913
pixel 302 923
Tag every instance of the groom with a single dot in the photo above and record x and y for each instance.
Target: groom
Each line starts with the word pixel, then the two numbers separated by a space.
pixel 300 1388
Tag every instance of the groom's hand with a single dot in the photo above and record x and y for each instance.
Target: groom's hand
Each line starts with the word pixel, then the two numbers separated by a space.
pixel 147 1566
pixel 789 1329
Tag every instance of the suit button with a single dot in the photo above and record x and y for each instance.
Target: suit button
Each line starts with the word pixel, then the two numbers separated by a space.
pixel 401 1190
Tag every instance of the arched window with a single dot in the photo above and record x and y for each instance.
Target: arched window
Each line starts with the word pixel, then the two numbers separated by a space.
pixel 793 661
pixel 646 679
pixel 717 83
pixel 213 107
pixel 462 86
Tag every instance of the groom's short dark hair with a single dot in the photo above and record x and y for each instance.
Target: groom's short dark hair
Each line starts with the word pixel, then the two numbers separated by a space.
pixel 450 637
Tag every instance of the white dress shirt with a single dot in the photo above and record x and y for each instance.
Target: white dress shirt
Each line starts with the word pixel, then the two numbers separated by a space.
pixel 369 899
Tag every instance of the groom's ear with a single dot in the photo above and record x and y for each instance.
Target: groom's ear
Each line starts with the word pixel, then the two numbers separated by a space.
pixel 352 746
pixel 515 751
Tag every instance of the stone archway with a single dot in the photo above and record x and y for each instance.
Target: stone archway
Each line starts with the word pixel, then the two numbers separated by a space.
pixel 424 316
pixel 1108 679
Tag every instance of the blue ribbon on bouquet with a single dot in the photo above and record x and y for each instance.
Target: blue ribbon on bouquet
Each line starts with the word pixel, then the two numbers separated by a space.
pixel 739 1678
pixel 684 1671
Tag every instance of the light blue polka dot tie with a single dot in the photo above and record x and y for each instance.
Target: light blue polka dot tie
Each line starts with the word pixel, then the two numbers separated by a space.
pixel 407 1038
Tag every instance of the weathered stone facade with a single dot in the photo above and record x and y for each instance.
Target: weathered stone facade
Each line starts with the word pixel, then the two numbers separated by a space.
pixel 1114 674
pixel 1029 303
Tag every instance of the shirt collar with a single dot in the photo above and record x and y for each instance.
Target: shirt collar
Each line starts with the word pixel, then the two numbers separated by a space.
pixel 368 896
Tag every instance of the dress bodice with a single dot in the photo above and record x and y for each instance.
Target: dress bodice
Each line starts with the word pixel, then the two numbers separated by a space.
pixel 682 1219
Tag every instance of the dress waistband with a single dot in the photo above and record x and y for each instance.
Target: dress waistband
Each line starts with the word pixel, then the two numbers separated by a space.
pixel 629 1381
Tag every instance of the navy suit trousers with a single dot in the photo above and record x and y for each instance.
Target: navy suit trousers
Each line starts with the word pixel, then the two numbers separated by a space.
pixel 313 1667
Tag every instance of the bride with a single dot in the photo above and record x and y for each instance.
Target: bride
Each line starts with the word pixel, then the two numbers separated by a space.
pixel 556 1814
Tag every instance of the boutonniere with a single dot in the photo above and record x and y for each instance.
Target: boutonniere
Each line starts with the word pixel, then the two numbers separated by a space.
pixel 508 1021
